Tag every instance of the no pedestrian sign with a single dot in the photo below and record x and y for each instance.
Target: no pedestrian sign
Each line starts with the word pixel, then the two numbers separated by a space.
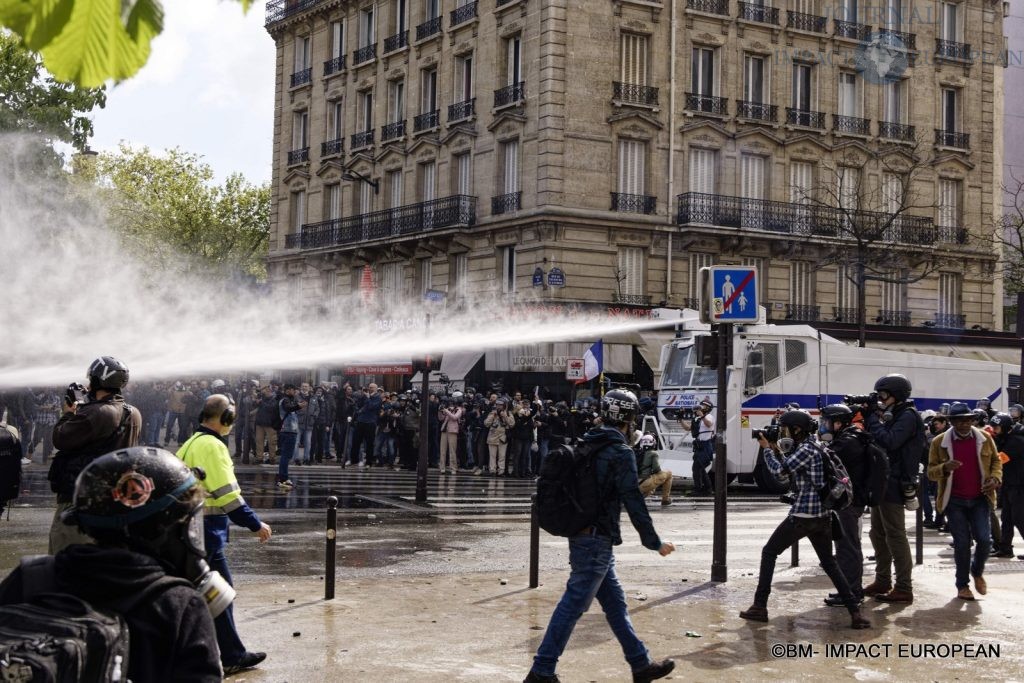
pixel 734 294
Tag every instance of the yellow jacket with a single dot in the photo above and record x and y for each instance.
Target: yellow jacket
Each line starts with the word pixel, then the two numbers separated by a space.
pixel 207 451
pixel 941 451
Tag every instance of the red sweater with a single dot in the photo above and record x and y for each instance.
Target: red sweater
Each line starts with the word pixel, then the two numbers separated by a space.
pixel 967 477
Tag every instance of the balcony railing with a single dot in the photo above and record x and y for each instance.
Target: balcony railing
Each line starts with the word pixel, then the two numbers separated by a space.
pixel 952 138
pixel 396 42
pixel 428 28
pixel 460 111
pixel 895 131
pixel 332 148
pixel 632 93
pixel 757 111
pixel 333 66
pixel 709 6
pixel 953 50
pixel 302 77
pixel 894 318
pixel 851 124
pixel 899 38
pixel 364 54
pixel 506 203
pixel 852 30
pixel 298 156
pixel 431 119
pixel 691 302
pixel 807 314
pixel 362 139
pixel 802 117
pixel 461 15
pixel 448 212
pixel 842 314
pixel 392 131
pixel 805 22
pixel 759 13
pixel 282 9
pixel 947 234
pixel 807 220
pixel 950 321
pixel 510 94
pixel 633 203
pixel 707 104
pixel 631 299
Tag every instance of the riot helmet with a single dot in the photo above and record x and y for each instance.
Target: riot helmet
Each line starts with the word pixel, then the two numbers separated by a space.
pixel 619 407
pixel 896 385
pixel 107 372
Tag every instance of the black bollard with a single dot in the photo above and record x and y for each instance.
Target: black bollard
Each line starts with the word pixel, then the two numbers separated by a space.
pixel 332 545
pixel 794 557
pixel 919 529
pixel 534 543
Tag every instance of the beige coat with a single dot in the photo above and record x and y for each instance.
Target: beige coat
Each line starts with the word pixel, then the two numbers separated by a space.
pixel 498 428
pixel 941 452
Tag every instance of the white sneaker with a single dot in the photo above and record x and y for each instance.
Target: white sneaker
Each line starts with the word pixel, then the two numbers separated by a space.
pixel 477 471
pixel 25 461
pixel 285 485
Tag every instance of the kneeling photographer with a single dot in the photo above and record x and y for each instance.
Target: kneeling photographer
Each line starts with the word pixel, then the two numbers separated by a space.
pixel 801 461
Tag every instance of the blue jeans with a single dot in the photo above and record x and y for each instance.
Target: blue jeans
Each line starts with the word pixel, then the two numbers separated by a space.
pixel 385 448
pixel 231 647
pixel 593 575
pixel 306 436
pixel 288 442
pixel 966 518
pixel 543 445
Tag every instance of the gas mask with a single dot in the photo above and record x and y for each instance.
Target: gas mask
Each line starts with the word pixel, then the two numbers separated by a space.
pixel 786 442
pixel 185 550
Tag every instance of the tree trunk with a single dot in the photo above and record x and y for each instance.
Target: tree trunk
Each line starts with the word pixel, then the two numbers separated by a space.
pixel 862 297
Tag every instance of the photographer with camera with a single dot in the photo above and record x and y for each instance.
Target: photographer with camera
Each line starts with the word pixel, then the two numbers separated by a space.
pixel 801 461
pixel 702 428
pixel 896 427
pixel 94 421
pixel 498 422
pixel 450 416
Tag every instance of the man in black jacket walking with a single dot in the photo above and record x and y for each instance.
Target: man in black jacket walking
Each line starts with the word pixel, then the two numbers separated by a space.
pixel 1009 439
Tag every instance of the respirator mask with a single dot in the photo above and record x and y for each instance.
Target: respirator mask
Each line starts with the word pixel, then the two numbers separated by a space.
pixel 786 441
pixel 824 433
pixel 186 552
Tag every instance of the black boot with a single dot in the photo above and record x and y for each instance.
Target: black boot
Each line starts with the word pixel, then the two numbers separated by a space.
pixel 537 678
pixel 654 671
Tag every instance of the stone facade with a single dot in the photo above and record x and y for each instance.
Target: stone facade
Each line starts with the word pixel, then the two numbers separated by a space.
pixel 643 144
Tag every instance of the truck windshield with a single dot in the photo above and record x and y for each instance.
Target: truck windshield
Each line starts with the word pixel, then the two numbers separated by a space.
pixel 680 370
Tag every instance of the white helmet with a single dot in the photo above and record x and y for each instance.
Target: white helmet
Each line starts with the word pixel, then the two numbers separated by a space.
pixel 647 442
pixel 217 384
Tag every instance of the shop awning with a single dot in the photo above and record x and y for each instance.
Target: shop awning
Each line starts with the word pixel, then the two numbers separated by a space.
pixel 455 364
pixel 650 346
pixel 998 354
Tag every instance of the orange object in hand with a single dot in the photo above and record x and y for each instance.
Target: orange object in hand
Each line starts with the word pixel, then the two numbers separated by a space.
pixel 1003 457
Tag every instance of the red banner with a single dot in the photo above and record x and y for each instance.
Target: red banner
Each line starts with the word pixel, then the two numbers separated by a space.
pixel 379 369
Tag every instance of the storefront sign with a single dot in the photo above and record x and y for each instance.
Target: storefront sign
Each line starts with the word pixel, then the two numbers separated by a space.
pixel 556 278
pixel 396 324
pixel 575 369
pixel 379 369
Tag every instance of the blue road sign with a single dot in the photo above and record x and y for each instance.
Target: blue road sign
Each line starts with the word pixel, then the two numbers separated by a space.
pixel 734 294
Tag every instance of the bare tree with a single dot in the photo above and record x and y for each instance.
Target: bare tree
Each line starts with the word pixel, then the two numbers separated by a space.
pixel 1009 235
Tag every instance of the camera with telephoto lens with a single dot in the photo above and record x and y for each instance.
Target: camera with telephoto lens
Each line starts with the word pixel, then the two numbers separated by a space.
pixel 770 433
pixel 861 400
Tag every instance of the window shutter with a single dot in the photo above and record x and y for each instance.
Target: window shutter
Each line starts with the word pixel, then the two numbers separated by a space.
pixel 337 40
pixel 511 166
pixel 702 170
pixel 800 182
pixel 752 177
pixel 634 59
pixel 631 260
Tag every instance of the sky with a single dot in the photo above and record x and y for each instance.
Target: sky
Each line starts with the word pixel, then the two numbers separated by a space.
pixel 208 88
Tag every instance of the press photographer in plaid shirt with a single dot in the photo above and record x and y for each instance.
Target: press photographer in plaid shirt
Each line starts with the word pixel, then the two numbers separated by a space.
pixel 797 457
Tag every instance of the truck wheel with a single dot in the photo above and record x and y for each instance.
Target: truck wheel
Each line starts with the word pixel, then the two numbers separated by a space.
pixel 766 482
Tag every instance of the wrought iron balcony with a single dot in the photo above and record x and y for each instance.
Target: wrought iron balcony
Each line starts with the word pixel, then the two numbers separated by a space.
pixel 894 318
pixel 632 93
pixel 510 94
pixel 461 15
pixel 948 234
pixel 757 111
pixel 949 49
pixel 332 148
pixel 293 241
pixel 333 66
pixel 808 314
pixel 894 38
pixel 364 54
pixel 851 30
pixel 952 138
pixel 302 77
pixel 842 314
pixel 460 111
pixel 707 104
pixel 506 203
pixel 392 131
pixel 396 42
pixel 691 302
pixel 362 139
pixel 805 22
pixel 298 156
pixel 801 117
pixel 431 119
pixel 895 131
pixel 448 212
pixel 759 13
pixel 851 124
pixel 633 203
pixel 282 9
pixel 428 28
pixel 631 299
pixel 950 321
pixel 710 6
pixel 802 219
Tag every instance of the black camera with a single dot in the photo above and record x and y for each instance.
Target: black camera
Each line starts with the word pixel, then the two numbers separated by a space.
pixel 76 393
pixel 861 400
pixel 787 498
pixel 770 433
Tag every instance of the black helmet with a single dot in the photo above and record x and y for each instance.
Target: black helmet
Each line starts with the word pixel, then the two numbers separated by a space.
pixel 619 407
pixel 1016 411
pixel 981 415
pixel 107 372
pixel 135 494
pixel 799 418
pixel 959 410
pixel 837 412
pixel 895 385
pixel 983 403
pixel 1002 420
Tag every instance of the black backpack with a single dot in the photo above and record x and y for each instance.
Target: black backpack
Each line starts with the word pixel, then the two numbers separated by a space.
pixel 837 491
pixel 57 637
pixel 10 466
pixel 568 495
pixel 876 470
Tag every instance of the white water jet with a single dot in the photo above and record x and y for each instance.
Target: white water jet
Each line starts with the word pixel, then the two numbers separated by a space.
pixel 70 292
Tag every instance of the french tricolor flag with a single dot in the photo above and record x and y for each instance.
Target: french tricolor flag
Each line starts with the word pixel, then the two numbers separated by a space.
pixel 593 361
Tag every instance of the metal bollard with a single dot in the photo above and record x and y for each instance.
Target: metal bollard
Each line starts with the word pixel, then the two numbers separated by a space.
pixel 332 545
pixel 794 557
pixel 534 543
pixel 919 530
